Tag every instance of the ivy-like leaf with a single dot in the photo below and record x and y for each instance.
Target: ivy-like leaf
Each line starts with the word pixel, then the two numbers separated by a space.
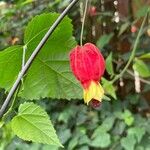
pixel 138 132
pixel 128 143
pixel 128 117
pixel 100 138
pixel 32 124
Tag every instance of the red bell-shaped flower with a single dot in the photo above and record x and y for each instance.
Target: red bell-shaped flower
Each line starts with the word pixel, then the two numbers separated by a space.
pixel 92 11
pixel 88 66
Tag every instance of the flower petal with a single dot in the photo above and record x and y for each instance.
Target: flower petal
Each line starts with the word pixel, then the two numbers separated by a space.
pixel 94 91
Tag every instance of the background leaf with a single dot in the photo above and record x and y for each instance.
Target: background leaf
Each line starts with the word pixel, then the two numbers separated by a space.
pixel 142 11
pixel 145 56
pixel 137 132
pixel 141 68
pixel 109 65
pixel 100 138
pixel 109 88
pixel 104 40
pixel 32 124
pixel 128 142
pixel 108 122
pixel 128 117
pixel 123 28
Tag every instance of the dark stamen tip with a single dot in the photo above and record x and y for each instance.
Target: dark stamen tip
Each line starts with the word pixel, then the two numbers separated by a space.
pixel 95 103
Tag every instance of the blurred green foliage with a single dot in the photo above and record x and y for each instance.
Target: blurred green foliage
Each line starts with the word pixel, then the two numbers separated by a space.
pixel 113 126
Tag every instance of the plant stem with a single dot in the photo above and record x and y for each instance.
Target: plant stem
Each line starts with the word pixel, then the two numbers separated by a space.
pixel 18 88
pixel 133 51
pixel 132 74
pixel 83 22
pixel 12 105
pixel 33 56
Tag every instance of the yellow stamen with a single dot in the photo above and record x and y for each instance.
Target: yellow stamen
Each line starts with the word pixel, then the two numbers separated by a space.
pixel 94 91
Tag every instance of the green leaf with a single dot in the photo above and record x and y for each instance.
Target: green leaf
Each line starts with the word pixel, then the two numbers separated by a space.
pixel 109 88
pixel 27 2
pixel 140 148
pixel 6 135
pixel 146 142
pixel 141 68
pixel 119 128
pixel 108 123
pixel 128 143
pixel 138 132
pixel 64 135
pixel 109 64
pixel 106 98
pixel 73 143
pixel 1 124
pixel 10 65
pixel 123 28
pixel 102 139
pixel 145 56
pixel 84 148
pixel 142 11
pixel 66 114
pixel 48 147
pixel 84 140
pixel 99 130
pixel 104 40
pixel 32 124
pixel 49 74
pixel 128 117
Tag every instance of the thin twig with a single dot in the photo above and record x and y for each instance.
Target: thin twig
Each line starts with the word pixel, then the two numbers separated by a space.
pixel 132 74
pixel 141 79
pixel 133 51
pixel 18 88
pixel 83 22
pixel 24 55
pixel 33 56
pixel 5 115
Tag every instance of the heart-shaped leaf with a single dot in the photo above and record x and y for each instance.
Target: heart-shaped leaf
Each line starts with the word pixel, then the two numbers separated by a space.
pixel 49 75
pixel 32 124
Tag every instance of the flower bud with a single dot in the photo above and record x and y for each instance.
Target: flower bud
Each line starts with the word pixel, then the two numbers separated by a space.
pixel 92 11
